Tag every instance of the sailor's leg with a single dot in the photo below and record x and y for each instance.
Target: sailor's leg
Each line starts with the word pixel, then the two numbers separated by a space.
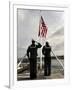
pixel 45 67
pixel 49 66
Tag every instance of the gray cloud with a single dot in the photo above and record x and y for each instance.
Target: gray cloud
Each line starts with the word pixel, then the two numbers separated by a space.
pixel 59 32
pixel 28 27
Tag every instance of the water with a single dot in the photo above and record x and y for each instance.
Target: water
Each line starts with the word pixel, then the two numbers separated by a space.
pixel 57 71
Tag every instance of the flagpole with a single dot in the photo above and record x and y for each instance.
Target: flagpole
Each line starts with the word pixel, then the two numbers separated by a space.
pixel 41 61
pixel 41 47
pixel 41 34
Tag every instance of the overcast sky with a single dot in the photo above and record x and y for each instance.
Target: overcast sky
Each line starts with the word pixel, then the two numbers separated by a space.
pixel 28 27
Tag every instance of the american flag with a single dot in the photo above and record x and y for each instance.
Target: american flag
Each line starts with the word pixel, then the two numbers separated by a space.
pixel 42 28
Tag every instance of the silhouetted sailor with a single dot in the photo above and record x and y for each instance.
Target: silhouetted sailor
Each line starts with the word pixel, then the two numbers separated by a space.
pixel 32 55
pixel 47 59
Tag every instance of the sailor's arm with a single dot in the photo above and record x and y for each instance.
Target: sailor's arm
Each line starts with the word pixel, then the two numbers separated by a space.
pixel 38 44
pixel 43 50
pixel 28 50
pixel 50 48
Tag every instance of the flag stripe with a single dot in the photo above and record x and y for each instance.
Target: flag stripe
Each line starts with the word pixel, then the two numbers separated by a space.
pixel 42 28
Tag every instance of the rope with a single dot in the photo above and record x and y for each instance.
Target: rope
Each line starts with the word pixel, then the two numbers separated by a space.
pixel 21 61
pixel 58 59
